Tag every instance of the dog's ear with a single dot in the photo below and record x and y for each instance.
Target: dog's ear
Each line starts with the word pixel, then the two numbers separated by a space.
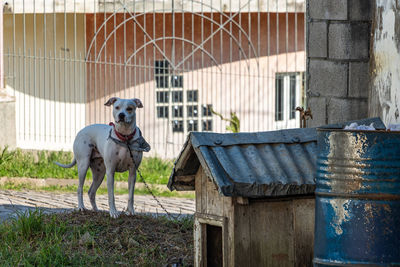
pixel 138 102
pixel 111 101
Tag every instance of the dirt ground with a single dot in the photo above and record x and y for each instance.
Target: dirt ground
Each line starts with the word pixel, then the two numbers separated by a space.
pixel 140 240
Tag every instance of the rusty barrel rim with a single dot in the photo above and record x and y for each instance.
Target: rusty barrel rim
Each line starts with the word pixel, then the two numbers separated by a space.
pixel 356 131
pixel 358 163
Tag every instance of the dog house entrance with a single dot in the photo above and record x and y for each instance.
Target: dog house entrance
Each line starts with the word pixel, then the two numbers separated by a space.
pixel 214 245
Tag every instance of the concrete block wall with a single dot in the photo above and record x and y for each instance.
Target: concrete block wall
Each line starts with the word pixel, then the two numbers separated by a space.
pixel 338 53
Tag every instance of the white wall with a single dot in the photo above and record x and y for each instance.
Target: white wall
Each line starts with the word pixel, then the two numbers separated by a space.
pixel 385 62
pixel 48 84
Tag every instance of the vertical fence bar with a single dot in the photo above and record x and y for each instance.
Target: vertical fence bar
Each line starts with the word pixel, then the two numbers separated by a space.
pixel 20 98
pixel 115 49
pixel 24 68
pixel 65 100
pixel 295 35
pixel 238 108
pixel 287 62
pixel 2 72
pixel 249 73
pixel 156 139
pixel 305 56
pixel 44 70
pixel 145 116
pixel 277 43
pixel 55 91
pixel 59 98
pixel 210 81
pixel 40 85
pixel 231 102
pixel 28 118
pixel 105 87
pixel 221 62
pixel 82 99
pixel 74 98
pixel 144 48
pixel 35 133
pixel 14 59
pixel 271 93
pixel 94 59
pixel 259 93
pixel 254 61
pixel 125 77
pixel 120 87
pixel 182 72
pixel 135 83
pixel 110 64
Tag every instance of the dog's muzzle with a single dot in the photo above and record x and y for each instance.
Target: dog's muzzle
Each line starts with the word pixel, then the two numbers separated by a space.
pixel 121 117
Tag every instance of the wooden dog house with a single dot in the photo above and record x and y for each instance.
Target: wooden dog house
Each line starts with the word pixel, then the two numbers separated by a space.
pixel 254 196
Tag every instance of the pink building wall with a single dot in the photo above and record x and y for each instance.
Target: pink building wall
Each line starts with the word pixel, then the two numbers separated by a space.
pixel 241 79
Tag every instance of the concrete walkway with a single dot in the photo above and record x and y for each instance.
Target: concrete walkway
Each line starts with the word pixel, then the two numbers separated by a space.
pixel 13 201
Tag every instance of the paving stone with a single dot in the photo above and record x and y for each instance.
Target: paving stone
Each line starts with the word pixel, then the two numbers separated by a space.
pixel 13 201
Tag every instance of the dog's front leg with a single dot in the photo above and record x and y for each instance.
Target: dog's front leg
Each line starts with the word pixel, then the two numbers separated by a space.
pixel 131 185
pixel 110 188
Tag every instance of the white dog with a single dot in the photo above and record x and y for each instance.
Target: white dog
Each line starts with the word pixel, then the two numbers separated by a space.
pixel 104 148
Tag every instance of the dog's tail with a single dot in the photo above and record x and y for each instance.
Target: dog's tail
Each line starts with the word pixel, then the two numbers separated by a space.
pixel 66 166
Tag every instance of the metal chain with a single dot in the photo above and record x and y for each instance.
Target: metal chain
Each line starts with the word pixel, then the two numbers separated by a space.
pixel 155 198
pixel 148 188
pixel 179 263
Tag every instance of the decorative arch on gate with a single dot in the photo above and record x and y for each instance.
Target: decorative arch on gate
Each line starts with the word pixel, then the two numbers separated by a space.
pixel 95 56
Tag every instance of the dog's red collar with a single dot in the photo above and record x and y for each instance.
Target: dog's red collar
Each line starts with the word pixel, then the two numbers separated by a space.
pixel 121 136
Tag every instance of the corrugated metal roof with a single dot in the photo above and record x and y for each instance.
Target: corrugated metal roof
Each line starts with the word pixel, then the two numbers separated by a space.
pixel 275 163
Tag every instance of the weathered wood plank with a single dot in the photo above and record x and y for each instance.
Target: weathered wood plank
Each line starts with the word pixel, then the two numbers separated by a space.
pixel 199 190
pixel 272 234
pixel 242 235
pixel 304 216
pixel 228 246
pixel 197 235
pixel 211 219
pixel 204 191
pixel 214 199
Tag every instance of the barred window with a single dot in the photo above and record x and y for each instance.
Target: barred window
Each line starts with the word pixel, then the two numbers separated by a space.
pixel 192 125
pixel 177 126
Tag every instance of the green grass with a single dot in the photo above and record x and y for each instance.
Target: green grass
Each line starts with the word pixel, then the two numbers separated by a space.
pixel 40 164
pixel 101 191
pixel 94 239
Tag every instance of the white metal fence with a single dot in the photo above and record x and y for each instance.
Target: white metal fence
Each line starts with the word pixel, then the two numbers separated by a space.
pixel 64 59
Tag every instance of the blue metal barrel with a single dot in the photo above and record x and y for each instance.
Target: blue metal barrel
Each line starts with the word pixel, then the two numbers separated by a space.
pixel 357 210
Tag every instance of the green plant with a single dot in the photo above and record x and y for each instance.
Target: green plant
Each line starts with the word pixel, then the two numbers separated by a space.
pixel 234 122
pixel 155 170
pixel 28 223
pixel 93 238
pixel 5 156
pixel 20 163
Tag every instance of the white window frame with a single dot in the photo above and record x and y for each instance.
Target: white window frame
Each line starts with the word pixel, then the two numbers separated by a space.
pixel 286 121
